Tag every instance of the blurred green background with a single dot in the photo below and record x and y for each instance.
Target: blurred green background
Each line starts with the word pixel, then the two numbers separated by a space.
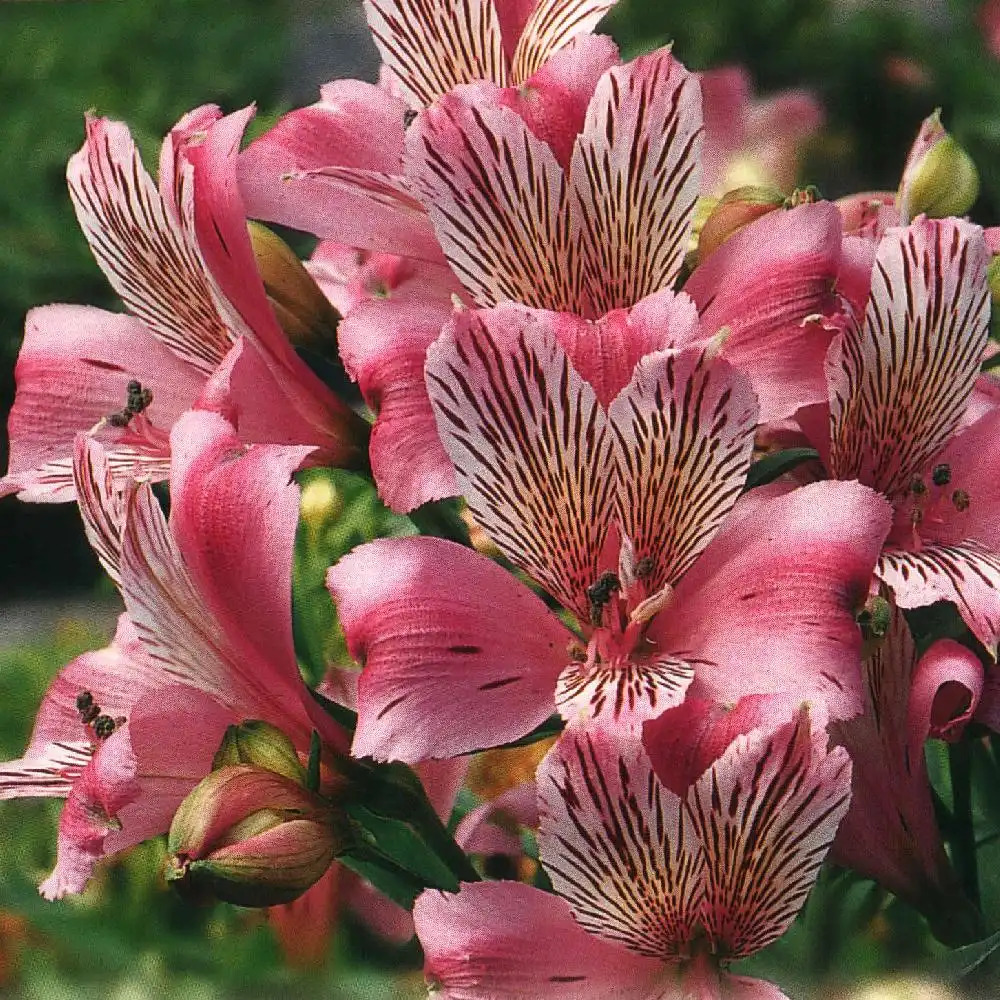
pixel 878 69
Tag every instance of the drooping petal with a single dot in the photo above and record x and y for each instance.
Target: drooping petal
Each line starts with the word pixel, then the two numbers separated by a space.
pixel 766 813
pixel 102 507
pixel 634 179
pixel 507 941
pixel 458 655
pixel 684 431
pixel 148 252
pixel 494 826
pixel 617 845
pixel 384 347
pixel 497 197
pixel 435 45
pixel 530 444
pixel 900 385
pixel 763 284
pixel 769 606
pixel 551 25
pixel 72 373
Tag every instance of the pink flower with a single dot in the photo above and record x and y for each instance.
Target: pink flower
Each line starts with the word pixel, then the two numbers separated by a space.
pixel 658 889
pixel 205 641
pixel 199 322
pixel 901 421
pixel 608 470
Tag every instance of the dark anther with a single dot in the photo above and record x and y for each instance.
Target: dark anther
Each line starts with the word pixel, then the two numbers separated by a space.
pixel 599 593
pixel 941 474
pixel 644 567
pixel 916 515
pixel 104 726
pixel 88 715
pixel 408 117
pixel 138 398
pixel 134 387
pixel 917 486
pixel 120 419
pixel 84 700
pixel 961 500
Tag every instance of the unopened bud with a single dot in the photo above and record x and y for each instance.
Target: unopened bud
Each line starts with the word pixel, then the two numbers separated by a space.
pixel 249 836
pixel 303 311
pixel 939 178
pixel 993 276
pixel 259 744
pixel 735 210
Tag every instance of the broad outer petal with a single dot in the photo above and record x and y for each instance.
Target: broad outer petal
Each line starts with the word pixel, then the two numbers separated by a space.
pixel 763 283
pixel 384 347
pixel 458 655
pixel 769 605
pixel 72 372
pixel 507 941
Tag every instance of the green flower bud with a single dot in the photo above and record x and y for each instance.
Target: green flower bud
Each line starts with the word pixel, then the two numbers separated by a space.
pixel 735 210
pixel 249 836
pixel 939 178
pixel 993 276
pixel 259 744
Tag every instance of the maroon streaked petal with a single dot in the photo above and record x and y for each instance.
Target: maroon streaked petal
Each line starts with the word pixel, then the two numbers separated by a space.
pixel 967 573
pixel 72 373
pixel 684 430
pixel 458 655
pixel 634 179
pixel 434 45
pixel 102 507
pixel 762 284
pixel 900 385
pixel 617 844
pixel 530 444
pixel 145 243
pixel 507 941
pixel 551 25
pixel 766 813
pixel 497 197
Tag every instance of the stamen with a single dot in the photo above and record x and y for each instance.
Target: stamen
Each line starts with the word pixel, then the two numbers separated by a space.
pixel 644 567
pixel 409 117
pixel 599 593
pixel 941 475
pixel 917 486
pixel 84 700
pixel 961 500
pixel 104 726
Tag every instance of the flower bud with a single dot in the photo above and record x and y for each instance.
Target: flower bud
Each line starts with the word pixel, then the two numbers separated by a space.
pixel 249 836
pixel 939 178
pixel 735 210
pixel 301 308
pixel 993 277
pixel 259 744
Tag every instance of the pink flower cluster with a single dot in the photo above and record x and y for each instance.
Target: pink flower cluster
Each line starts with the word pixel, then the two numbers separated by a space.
pixel 508 232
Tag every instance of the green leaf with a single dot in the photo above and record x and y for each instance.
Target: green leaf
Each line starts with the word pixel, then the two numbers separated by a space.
pixel 964 961
pixel 770 467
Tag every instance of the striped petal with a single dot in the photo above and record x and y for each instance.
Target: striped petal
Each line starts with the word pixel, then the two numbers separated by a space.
pixel 101 505
pixel 145 243
pixel 498 200
pixel 530 444
pixel 684 430
pixel 766 813
pixel 432 46
pixel 634 179
pixel 900 385
pixel 551 25
pixel 617 844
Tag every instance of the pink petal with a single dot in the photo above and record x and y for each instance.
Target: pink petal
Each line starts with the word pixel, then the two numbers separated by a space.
pixel 684 431
pixel 384 347
pixel 899 386
pixel 72 373
pixel 635 178
pixel 551 25
pixel 769 606
pixel 766 813
pixel 946 688
pixel 442 781
pixel 763 283
pixel 616 844
pixel 497 197
pixel 101 506
pixel 305 926
pixel 725 98
pixel 458 655
pixel 434 46
pixel 145 243
pixel 378 913
pixel 530 444
pixel 507 941
pixel 493 827
pixel 890 833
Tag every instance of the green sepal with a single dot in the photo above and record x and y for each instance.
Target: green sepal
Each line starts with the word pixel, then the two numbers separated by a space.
pixel 765 470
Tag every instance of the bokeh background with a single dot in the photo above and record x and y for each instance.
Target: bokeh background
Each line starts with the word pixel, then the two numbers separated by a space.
pixel 878 68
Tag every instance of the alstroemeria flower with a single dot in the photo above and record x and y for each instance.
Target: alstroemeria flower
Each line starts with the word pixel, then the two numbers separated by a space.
pixel 890 833
pixel 608 470
pixel 198 323
pixel 900 388
pixel 205 641
pixel 658 890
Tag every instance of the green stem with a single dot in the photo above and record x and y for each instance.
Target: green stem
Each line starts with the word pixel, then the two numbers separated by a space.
pixel 963 835
pixel 434 833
